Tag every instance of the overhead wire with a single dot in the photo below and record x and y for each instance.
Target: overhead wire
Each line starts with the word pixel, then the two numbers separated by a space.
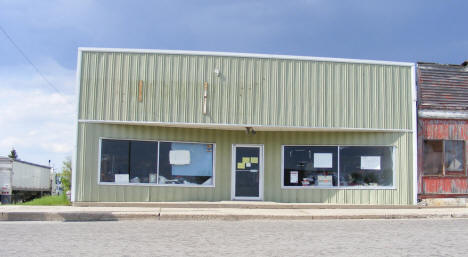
pixel 29 60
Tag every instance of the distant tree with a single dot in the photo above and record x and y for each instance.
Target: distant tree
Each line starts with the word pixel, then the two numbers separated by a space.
pixel 13 155
pixel 65 176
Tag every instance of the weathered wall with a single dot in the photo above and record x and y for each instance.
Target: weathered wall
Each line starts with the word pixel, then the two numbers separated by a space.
pixel 440 129
pixel 442 90
pixel 88 148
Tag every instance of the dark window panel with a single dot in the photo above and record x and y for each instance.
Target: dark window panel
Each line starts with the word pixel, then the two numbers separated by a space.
pixel 355 169
pixel 308 164
pixel 114 159
pixel 247 178
pixel 454 155
pixel 432 157
pixel 143 161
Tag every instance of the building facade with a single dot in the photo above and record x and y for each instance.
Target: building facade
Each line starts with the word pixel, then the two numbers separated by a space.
pixel 158 125
pixel 442 130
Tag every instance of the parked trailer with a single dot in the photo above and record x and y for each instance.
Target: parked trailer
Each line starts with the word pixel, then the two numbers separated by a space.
pixel 24 180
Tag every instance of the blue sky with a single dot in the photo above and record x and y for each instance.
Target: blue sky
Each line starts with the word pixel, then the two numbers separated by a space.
pixel 38 121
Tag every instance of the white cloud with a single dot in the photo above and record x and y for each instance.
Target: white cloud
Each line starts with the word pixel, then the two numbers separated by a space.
pixel 34 119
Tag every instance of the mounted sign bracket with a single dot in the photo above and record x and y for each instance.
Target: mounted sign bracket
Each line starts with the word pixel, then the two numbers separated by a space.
pixel 140 91
pixel 205 97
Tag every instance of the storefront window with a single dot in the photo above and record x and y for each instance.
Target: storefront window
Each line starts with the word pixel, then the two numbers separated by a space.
pixel 114 160
pixel 186 163
pixel 433 152
pixel 366 166
pixel 334 166
pixel 443 157
pixel 310 166
pixel 143 161
pixel 454 153
pixel 140 162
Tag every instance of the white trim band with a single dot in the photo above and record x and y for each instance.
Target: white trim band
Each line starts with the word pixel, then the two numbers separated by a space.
pixel 242 126
pixel 441 114
pixel 251 55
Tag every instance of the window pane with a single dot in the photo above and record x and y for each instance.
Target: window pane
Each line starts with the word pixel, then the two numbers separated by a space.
pixel 454 152
pixel 366 166
pixel 143 161
pixel 310 166
pixel 432 158
pixel 185 163
pixel 114 159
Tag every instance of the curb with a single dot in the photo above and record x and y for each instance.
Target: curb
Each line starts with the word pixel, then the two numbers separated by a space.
pixel 75 216
pixel 113 216
pixel 307 217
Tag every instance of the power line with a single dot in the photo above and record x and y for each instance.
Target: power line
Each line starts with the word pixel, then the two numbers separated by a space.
pixel 29 60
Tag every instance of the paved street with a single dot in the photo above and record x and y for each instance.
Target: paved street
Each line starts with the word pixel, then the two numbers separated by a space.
pixel 420 237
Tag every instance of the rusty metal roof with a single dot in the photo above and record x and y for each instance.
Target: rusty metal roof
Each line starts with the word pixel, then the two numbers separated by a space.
pixel 442 86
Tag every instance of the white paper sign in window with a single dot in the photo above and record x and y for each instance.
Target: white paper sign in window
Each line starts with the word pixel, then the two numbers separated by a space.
pixel 325 180
pixel 121 178
pixel 323 160
pixel 370 162
pixel 294 177
pixel 179 157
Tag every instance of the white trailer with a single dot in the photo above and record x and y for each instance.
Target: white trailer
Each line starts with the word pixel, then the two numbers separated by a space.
pixel 25 180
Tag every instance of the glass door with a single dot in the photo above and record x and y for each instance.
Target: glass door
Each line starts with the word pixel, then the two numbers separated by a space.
pixel 247 172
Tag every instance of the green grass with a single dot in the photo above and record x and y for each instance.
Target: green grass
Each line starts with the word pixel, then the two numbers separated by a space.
pixel 49 200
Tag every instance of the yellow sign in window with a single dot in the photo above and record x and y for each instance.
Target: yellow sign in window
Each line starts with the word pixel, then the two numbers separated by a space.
pixel 254 159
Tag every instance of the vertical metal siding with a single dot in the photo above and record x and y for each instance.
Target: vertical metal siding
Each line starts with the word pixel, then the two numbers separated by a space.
pixel 88 152
pixel 260 91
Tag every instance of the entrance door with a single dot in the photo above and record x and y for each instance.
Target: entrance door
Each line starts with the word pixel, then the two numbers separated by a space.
pixel 247 172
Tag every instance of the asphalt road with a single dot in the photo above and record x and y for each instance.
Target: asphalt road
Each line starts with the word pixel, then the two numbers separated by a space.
pixel 428 237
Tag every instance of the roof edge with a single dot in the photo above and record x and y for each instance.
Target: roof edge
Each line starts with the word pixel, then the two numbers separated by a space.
pixel 235 54
pixel 30 163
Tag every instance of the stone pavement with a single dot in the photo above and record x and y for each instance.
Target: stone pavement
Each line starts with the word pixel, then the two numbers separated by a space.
pixel 221 211
pixel 250 238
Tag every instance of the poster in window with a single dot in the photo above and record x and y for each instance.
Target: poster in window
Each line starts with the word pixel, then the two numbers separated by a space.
pixel 179 157
pixel 323 160
pixel 194 162
pixel 325 180
pixel 293 177
pixel 370 162
pixel 121 178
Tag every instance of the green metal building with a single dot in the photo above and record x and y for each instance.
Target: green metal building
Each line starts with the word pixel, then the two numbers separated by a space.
pixel 159 125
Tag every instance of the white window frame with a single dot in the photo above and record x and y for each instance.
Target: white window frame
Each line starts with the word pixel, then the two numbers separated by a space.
pixel 157 165
pixel 393 187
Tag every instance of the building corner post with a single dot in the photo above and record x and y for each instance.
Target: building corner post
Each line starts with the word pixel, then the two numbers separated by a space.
pixel 414 118
pixel 75 144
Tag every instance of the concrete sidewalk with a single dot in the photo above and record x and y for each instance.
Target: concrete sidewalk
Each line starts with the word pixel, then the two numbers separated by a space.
pixel 75 213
